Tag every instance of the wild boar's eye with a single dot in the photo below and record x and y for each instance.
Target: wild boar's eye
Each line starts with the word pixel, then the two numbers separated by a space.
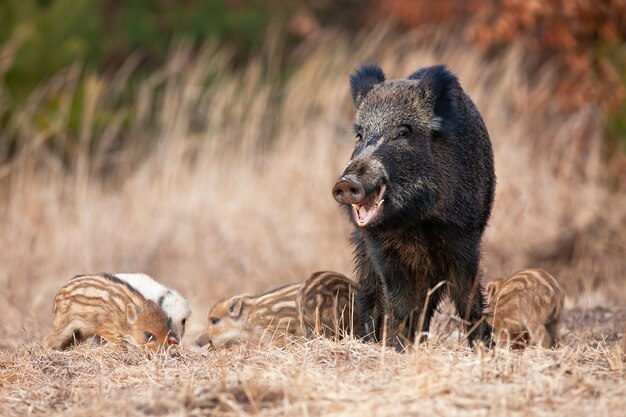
pixel 404 131
pixel 215 320
pixel 149 336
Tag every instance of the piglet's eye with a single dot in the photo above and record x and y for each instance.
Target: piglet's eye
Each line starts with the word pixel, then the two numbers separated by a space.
pixel 184 321
pixel 149 336
pixel 214 320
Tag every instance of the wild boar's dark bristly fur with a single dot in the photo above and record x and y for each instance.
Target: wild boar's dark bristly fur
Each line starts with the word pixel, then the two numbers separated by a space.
pixel 419 189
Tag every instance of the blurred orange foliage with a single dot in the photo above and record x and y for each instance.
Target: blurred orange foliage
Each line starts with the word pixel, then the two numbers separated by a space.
pixel 585 39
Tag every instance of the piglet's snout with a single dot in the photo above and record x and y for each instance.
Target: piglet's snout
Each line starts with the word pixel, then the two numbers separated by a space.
pixel 172 339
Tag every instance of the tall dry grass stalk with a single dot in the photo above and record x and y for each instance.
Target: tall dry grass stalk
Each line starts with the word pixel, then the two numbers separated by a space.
pixel 223 187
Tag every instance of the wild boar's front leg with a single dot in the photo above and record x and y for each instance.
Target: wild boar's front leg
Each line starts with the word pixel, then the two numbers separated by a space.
pixel 406 299
pixel 367 299
pixel 419 319
pixel 467 295
pixel 369 295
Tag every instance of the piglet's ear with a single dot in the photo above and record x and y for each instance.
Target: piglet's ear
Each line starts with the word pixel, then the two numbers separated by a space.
pixel 363 80
pixel 491 289
pixel 439 90
pixel 235 306
pixel 132 312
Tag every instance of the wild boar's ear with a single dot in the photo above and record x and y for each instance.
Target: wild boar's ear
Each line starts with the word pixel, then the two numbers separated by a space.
pixel 132 312
pixel 438 90
pixel 235 306
pixel 363 80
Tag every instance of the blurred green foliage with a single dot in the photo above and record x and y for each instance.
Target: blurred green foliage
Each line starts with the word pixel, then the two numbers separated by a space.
pixel 52 34
pixel 615 53
pixel 41 40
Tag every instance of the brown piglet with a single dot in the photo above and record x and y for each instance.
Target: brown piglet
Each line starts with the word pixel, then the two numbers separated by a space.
pixel 526 308
pixel 326 302
pixel 106 307
pixel 269 318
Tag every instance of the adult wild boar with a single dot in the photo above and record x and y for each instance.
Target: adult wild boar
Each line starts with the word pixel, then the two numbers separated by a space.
pixel 419 189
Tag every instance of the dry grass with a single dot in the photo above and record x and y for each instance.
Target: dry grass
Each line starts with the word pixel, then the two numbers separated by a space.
pixel 226 189
pixel 316 378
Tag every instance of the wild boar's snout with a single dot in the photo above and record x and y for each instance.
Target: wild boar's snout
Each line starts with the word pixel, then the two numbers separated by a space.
pixel 348 190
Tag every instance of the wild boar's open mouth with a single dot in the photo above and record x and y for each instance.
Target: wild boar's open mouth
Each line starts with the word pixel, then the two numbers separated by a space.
pixel 366 212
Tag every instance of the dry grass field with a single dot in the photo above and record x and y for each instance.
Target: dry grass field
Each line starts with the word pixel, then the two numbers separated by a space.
pixel 224 187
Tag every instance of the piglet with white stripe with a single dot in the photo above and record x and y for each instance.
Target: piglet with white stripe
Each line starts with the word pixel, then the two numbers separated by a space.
pixel 173 304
